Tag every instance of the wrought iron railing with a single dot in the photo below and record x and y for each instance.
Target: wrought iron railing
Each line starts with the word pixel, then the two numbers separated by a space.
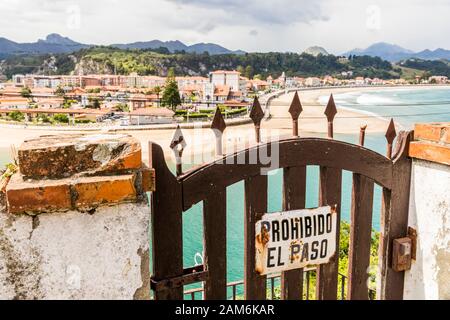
pixel 197 293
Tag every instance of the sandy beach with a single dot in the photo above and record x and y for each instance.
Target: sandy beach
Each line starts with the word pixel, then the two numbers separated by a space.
pixel 202 142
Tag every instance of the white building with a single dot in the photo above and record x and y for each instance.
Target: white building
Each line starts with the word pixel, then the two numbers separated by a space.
pixel 208 91
pixel 46 82
pixel 226 78
pixel 312 82
pixel 18 80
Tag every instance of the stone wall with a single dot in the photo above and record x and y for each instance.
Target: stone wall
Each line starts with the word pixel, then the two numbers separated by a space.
pixel 429 213
pixel 76 224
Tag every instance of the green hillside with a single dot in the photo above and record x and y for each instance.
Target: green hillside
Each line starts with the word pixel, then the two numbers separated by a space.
pixel 157 62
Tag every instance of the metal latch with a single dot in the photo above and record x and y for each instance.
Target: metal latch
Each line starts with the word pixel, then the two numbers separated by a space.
pixel 404 251
pixel 189 276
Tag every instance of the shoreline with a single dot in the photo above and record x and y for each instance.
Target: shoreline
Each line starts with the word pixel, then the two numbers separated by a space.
pixel 201 141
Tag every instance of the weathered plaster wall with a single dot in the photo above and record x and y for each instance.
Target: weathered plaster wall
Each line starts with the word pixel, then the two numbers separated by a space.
pixel 429 214
pixel 74 255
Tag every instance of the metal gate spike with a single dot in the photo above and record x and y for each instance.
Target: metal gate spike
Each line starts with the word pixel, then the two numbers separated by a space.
pixel 390 136
pixel 178 139
pixel 296 107
pixel 391 133
pixel 331 110
pixel 218 122
pixel 256 114
pixel 177 145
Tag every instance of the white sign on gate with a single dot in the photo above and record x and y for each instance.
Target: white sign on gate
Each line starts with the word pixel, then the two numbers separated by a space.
pixel 295 239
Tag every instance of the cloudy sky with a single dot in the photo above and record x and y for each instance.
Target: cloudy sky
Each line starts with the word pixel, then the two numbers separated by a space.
pixel 250 25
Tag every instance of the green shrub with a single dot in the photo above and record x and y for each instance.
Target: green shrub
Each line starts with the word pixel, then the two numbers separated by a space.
pixel 180 112
pixel 207 111
pixel 44 118
pixel 236 111
pixel 61 118
pixel 17 116
pixel 196 115
pixel 83 121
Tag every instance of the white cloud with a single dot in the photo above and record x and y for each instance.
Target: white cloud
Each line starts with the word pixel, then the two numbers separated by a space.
pixel 252 25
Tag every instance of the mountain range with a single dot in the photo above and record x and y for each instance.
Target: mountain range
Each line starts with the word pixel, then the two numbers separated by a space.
pixel 394 53
pixel 55 43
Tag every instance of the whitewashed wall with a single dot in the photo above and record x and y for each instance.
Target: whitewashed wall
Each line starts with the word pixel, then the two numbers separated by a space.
pixel 429 214
pixel 74 255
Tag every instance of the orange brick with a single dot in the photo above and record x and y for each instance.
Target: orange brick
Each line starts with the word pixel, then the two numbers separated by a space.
pixel 430 152
pixel 37 196
pixel 58 157
pixel 427 131
pixel 91 192
pixel 148 180
pixel 130 159
pixel 445 134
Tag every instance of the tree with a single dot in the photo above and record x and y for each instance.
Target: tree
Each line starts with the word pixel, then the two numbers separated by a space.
pixel 157 90
pixel 60 92
pixel 95 103
pixel 122 107
pixel 25 92
pixel 171 95
pixel 249 72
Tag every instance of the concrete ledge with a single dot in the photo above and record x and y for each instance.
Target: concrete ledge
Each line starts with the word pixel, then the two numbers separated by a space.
pixel 55 157
pixel 77 172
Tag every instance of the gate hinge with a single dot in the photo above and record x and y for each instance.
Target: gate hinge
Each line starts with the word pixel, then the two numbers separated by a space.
pixel 189 276
pixel 404 251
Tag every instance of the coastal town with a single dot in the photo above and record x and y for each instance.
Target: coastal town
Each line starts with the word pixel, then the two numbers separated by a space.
pixel 139 100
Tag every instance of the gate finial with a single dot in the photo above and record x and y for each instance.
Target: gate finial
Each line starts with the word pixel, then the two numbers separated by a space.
pixel 362 135
pixel 178 145
pixel 257 114
pixel 390 136
pixel 218 125
pixel 295 110
pixel 330 112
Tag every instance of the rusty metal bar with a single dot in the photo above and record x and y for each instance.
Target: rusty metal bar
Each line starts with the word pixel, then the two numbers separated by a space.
pixel 189 276
pixel 330 113
pixel 215 244
pixel 178 145
pixel 394 219
pixel 255 203
pixel 362 135
pixel 272 285
pixel 360 236
pixel 307 284
pixel 342 287
pixel 294 198
pixel 234 292
pixel 295 110
pixel 390 136
pixel 257 114
pixel 166 218
pixel 330 195
pixel 218 125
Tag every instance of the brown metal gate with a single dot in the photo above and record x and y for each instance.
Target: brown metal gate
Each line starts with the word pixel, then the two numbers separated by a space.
pixel 208 183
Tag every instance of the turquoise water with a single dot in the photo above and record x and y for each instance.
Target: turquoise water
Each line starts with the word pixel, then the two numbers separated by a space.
pixel 406 106
pixel 5 156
